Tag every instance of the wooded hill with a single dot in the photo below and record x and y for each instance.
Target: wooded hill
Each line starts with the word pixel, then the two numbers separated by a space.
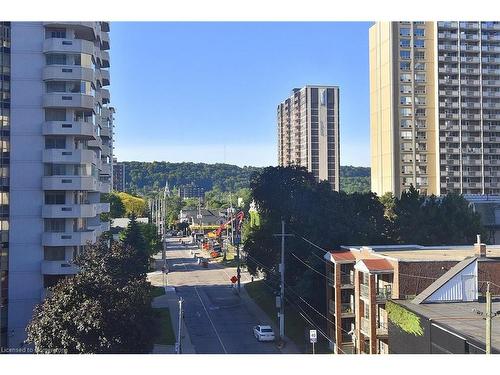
pixel 144 177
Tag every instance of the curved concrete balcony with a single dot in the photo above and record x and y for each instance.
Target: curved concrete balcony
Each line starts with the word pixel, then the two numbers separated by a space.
pixel 75 128
pixel 102 208
pixel 105 112
pixel 68 238
pixel 63 156
pixel 106 132
pixel 68 72
pixel 105 226
pixel 104 41
pixel 95 144
pixel 105 59
pixel 105 26
pixel 78 183
pixel 105 77
pixel 106 150
pixel 104 187
pixel 68 46
pixel 85 27
pixel 61 211
pixel 58 267
pixel 68 100
pixel 106 168
pixel 105 96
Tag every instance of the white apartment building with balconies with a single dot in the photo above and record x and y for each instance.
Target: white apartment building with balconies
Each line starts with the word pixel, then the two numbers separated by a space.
pixel 61 127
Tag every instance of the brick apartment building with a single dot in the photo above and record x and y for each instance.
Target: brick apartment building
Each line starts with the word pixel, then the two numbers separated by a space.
pixel 362 279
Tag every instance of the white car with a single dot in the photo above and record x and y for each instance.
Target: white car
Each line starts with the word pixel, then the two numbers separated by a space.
pixel 263 333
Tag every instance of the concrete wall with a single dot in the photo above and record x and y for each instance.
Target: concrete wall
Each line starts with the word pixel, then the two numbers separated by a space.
pixel 26 195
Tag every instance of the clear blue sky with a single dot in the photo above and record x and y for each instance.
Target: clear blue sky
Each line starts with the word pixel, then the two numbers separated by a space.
pixel 207 92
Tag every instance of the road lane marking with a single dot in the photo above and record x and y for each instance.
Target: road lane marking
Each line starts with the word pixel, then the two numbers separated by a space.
pixel 208 316
pixel 210 319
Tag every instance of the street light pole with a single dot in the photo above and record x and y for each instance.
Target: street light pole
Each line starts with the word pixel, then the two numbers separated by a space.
pixel 179 339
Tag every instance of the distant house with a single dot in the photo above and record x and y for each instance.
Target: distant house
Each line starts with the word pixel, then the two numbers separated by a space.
pixel 209 218
pixel 120 223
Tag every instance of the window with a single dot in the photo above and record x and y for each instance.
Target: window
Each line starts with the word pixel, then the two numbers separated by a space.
pixel 54 253
pixel 404 31
pixel 56 86
pixel 55 142
pixel 405 77
pixel 404 55
pixel 55 33
pixel 419 55
pixel 420 112
pixel 405 65
pixel 419 32
pixel 405 111
pixel 406 123
pixel 55 197
pixel 420 100
pixel 419 66
pixel 55 225
pixel 419 43
pixel 55 59
pixel 84 116
pixel 406 100
pixel 405 89
pixel 407 135
pixel 419 77
pixel 404 43
pixel 420 90
pixel 52 114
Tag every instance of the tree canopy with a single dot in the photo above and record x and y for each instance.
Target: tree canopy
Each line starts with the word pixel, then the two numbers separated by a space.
pixel 104 308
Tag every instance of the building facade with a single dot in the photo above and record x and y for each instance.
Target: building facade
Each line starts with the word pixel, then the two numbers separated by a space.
pixel 4 176
pixel 118 176
pixel 362 280
pixel 308 132
pixel 60 157
pixel 435 107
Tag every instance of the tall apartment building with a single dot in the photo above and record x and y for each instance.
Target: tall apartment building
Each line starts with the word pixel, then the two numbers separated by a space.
pixel 118 175
pixel 362 279
pixel 435 107
pixel 308 132
pixel 56 160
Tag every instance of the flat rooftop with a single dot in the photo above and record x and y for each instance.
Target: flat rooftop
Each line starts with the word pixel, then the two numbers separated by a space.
pixel 459 317
pixel 425 253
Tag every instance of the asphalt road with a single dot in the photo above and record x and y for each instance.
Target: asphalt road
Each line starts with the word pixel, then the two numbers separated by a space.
pixel 217 319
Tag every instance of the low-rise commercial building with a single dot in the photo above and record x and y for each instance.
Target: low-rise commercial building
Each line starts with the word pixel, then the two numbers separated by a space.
pixel 362 279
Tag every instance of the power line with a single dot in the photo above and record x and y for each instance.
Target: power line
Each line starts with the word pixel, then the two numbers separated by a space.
pixel 309 266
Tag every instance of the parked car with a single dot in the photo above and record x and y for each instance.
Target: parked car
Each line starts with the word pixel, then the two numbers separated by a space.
pixel 263 333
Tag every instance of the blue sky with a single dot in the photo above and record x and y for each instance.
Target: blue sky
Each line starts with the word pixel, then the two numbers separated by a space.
pixel 207 92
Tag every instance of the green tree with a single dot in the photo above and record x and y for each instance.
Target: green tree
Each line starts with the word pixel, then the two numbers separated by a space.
pixel 102 309
pixel 153 240
pixel 117 208
pixel 132 237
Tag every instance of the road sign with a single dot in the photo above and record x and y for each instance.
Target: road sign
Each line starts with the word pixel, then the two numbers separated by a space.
pixel 313 336
pixel 234 279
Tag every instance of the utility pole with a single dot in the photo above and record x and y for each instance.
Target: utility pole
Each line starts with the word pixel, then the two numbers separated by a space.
pixel 281 314
pixel 489 315
pixel 488 319
pixel 179 339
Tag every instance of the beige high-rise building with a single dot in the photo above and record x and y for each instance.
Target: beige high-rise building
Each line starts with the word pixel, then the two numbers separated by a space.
pixel 435 107
pixel 308 132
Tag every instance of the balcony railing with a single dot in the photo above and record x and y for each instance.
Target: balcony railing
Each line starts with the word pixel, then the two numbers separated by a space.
pixel 382 329
pixel 364 290
pixel 347 308
pixel 347 279
pixel 365 326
